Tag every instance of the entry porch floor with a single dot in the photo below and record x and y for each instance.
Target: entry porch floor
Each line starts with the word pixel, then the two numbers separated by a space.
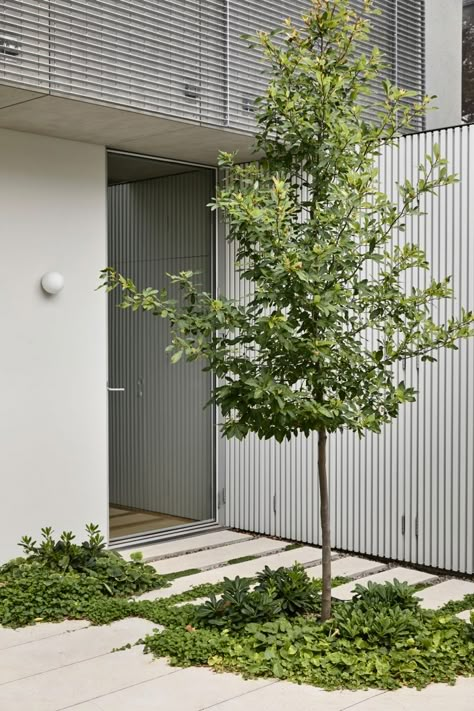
pixel 72 665
pixel 125 521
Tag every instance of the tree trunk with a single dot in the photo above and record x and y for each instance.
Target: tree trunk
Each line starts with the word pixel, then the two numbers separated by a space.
pixel 325 526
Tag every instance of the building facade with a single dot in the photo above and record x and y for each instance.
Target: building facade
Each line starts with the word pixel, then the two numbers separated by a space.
pixel 111 117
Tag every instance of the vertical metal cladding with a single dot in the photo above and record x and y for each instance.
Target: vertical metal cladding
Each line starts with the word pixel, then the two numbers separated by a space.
pixel 161 455
pixel 407 494
pixel 181 58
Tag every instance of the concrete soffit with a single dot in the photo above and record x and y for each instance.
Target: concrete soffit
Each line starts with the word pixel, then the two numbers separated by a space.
pixel 79 120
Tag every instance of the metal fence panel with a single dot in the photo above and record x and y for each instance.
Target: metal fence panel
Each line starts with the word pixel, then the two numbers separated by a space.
pixel 407 494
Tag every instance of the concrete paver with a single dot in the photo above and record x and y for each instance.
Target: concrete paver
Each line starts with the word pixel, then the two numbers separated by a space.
pixel 248 569
pixel 466 615
pixel 193 689
pixel 407 575
pixel 76 683
pixel 157 551
pixel 436 697
pixel 438 595
pixel 285 695
pixel 54 652
pixel 14 637
pixel 218 556
pixel 347 567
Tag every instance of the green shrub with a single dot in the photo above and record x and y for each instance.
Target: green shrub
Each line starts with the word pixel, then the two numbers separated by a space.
pixel 238 606
pixel 287 592
pixel 382 626
pixel 389 595
pixel 292 587
pixel 61 579
pixel 65 555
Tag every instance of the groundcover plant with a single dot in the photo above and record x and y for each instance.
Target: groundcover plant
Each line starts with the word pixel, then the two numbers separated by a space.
pixel 60 579
pixel 269 626
pixel 381 638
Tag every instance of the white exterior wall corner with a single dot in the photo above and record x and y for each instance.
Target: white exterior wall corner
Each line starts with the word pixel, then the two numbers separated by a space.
pixel 443 61
pixel 407 494
pixel 53 415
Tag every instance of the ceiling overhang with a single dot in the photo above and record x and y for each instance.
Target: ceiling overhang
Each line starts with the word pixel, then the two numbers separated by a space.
pixel 120 128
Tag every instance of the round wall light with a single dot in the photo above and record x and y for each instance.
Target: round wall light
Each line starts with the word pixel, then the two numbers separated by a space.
pixel 52 282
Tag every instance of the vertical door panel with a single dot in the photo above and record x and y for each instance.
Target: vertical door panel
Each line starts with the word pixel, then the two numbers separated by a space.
pixel 160 433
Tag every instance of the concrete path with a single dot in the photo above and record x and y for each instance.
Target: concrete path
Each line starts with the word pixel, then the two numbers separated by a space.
pixel 403 575
pixel 438 595
pixel 71 665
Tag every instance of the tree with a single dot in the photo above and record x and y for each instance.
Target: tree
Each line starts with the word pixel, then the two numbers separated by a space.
pixel 468 63
pixel 328 315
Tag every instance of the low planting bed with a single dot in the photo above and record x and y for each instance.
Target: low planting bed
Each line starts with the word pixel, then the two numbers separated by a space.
pixel 266 627
pixel 381 638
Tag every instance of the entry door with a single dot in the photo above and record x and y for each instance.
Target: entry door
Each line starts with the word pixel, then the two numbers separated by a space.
pixel 161 437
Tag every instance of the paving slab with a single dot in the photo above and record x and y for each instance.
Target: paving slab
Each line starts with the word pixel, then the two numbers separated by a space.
pixel 438 595
pixel 166 549
pixel 436 697
pixel 248 569
pixel 465 615
pixel 283 695
pixel 347 567
pixel 218 556
pixel 77 683
pixel 406 575
pixel 14 637
pixel 55 652
pixel 187 690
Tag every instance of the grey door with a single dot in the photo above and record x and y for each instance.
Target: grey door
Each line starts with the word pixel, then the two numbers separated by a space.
pixel 161 437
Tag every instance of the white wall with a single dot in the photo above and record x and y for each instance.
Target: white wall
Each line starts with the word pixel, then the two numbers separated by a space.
pixel 443 33
pixel 53 369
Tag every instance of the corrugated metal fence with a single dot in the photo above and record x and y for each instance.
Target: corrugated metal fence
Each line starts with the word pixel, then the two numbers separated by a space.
pixel 407 494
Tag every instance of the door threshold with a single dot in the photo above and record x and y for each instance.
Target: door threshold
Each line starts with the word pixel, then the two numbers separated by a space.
pixel 164 534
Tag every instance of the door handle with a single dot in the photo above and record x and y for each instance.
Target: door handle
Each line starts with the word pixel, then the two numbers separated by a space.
pixel 115 390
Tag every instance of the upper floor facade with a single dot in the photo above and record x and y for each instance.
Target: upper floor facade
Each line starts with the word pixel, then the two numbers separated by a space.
pixel 120 72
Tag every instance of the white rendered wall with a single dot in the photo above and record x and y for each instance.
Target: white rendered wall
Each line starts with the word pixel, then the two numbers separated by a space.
pixel 443 42
pixel 53 409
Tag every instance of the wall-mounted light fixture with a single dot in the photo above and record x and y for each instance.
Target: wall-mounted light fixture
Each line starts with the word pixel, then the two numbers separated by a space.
pixel 52 282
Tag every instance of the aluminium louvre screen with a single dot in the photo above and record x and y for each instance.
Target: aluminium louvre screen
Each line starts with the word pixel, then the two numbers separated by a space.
pixel 398 32
pixel 180 58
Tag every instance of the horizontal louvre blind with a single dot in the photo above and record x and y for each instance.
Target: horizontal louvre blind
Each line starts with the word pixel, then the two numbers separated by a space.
pixel 167 57
pixel 398 32
pixel 24 43
pixel 182 58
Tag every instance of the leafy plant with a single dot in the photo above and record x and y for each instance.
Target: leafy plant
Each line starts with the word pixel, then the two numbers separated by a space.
pixel 381 625
pixel 285 591
pixel 63 554
pixel 455 606
pixel 60 578
pixel 292 587
pixel 330 312
pixel 388 595
pixel 238 606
